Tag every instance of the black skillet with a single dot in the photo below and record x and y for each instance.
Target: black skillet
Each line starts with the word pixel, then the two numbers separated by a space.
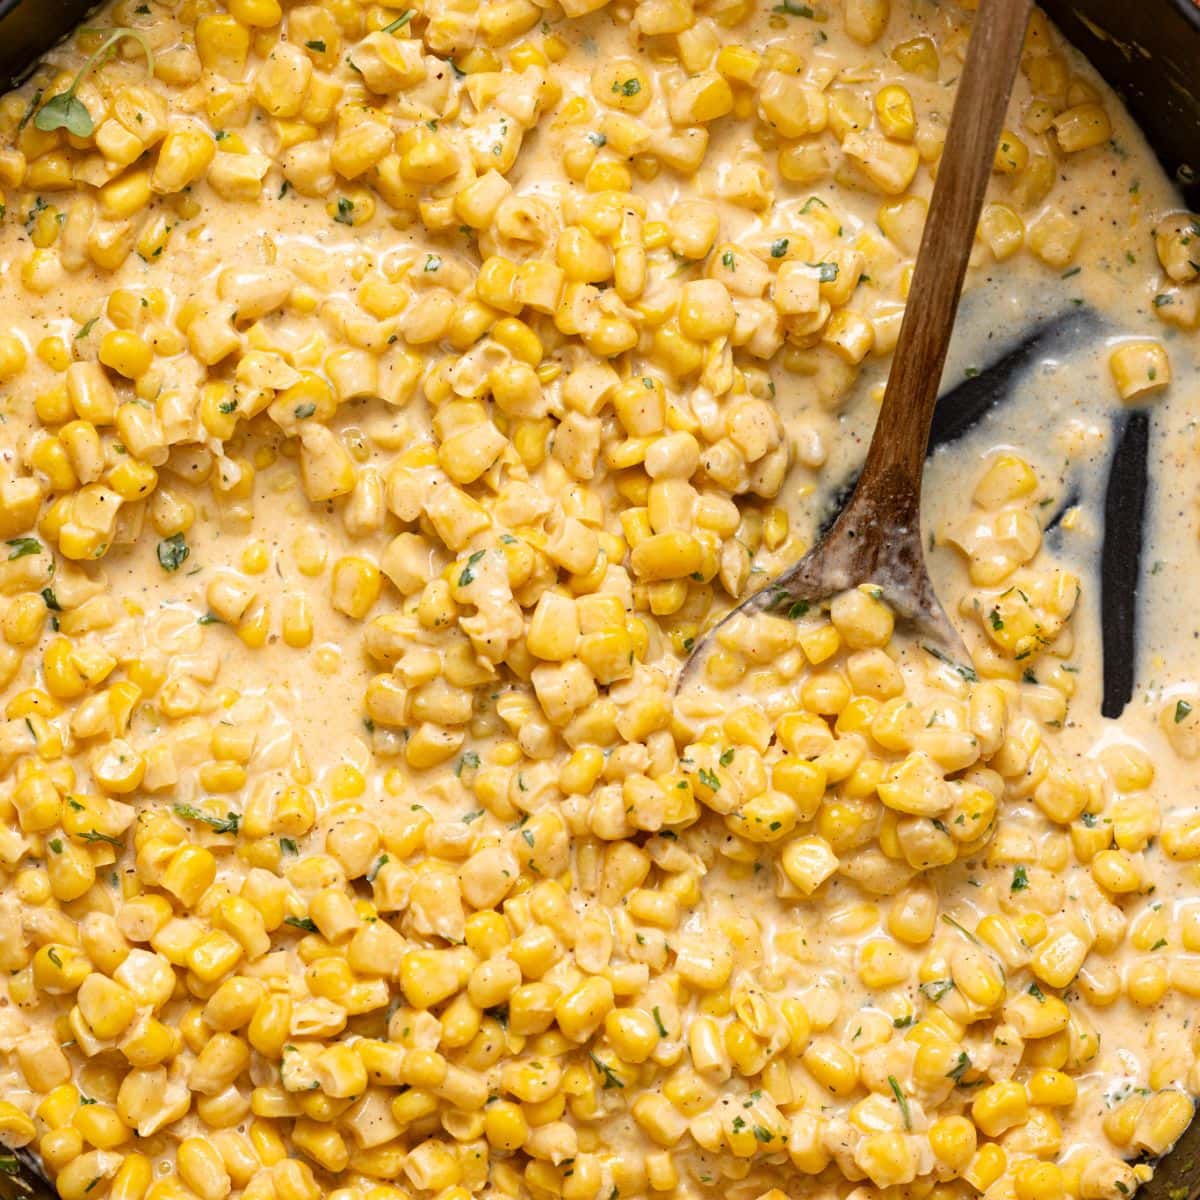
pixel 1149 51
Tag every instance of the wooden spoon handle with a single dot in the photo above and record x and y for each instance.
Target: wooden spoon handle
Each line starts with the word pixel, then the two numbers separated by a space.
pixel 891 475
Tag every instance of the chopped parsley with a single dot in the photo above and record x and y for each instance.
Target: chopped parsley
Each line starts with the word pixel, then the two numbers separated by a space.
pixel 960 1068
pixel 227 824
pixel 935 989
pixel 94 835
pixel 467 575
pixel 901 1100
pixel 173 552
pixel 1020 880
pixel 22 546
pixel 402 20
pixel 610 1077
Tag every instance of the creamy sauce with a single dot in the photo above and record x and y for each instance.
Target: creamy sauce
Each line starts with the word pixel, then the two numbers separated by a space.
pixel 395 743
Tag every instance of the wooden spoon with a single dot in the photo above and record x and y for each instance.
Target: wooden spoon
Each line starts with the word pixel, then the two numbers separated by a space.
pixel 877 538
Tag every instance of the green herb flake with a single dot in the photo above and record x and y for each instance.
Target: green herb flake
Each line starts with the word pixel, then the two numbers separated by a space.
pixel 66 110
pixel 901 1100
pixel 229 823
pixel 94 835
pixel 1182 711
pixel 610 1077
pixel 658 1022
pixel 1020 880
pixel 173 552
pixel 305 923
pixel 779 247
pixel 710 780
pixel 22 546
pixel 467 575
pixel 951 921
pixel 402 20
pixel 967 673
pixel 960 1068
pixel 935 989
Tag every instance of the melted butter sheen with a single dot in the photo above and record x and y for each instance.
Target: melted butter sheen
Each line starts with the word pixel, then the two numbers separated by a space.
pixel 389 400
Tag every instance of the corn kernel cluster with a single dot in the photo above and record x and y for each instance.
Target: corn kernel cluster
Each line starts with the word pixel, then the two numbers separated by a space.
pixel 438 357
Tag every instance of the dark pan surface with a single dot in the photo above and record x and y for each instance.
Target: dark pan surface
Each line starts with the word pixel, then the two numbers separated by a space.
pixel 1149 51
pixel 28 28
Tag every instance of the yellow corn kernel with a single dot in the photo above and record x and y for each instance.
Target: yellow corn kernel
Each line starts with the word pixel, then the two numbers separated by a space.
pixel 894 109
pixel 357 584
pixel 126 353
pixel 13 356
pixel 1139 369
pixel 1000 1106
pixel 1082 128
